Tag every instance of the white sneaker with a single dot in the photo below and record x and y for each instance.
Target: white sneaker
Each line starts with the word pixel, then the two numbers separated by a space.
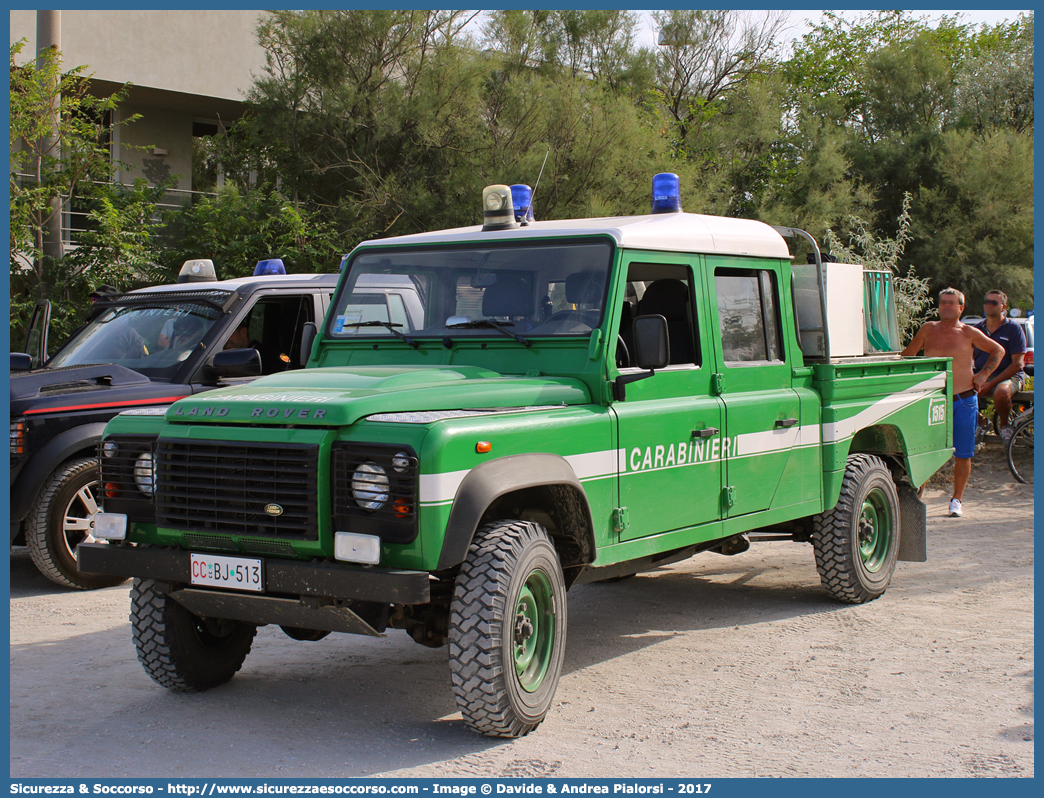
pixel 955 508
pixel 1006 433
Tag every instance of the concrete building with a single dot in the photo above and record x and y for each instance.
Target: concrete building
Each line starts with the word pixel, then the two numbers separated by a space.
pixel 189 70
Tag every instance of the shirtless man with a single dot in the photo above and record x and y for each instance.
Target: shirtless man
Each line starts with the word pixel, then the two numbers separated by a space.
pixel 949 338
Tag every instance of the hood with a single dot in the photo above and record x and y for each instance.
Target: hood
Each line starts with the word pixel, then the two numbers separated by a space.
pixel 44 382
pixel 342 396
pixel 100 388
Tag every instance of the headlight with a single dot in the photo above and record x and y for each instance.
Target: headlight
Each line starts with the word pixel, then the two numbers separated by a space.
pixel 144 474
pixel 370 486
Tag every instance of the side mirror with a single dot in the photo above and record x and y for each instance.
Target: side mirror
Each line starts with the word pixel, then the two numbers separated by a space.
pixel 233 363
pixel 20 361
pixel 652 351
pixel 651 344
pixel 308 334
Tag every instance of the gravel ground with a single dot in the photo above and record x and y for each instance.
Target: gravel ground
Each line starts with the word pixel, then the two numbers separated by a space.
pixel 713 667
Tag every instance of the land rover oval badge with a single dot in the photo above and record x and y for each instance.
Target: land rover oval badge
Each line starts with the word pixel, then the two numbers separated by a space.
pixel 273 509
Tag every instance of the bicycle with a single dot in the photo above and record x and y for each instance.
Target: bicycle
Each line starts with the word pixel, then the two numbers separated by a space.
pixel 1020 445
pixel 989 422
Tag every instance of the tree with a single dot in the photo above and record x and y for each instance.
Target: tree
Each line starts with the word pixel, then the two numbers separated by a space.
pixel 995 84
pixel 707 54
pixel 59 151
pixel 237 229
pixel 942 114
pixel 880 253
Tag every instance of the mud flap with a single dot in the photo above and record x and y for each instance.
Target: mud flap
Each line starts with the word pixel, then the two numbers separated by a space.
pixel 913 521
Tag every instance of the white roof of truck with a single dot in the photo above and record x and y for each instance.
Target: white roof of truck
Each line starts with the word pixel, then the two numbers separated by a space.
pixel 668 232
pixel 233 283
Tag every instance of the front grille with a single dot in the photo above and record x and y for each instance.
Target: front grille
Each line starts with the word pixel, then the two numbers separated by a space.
pixel 395 521
pixel 238 488
pixel 193 541
pixel 119 490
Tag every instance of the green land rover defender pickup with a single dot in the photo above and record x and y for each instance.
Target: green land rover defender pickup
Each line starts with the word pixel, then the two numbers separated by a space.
pixel 520 408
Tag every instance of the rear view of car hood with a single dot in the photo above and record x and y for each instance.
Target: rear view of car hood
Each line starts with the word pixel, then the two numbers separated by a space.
pixel 342 396
pixel 31 384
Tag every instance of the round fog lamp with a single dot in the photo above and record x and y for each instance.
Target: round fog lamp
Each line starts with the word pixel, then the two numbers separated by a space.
pixel 401 462
pixel 144 474
pixel 370 486
pixel 110 449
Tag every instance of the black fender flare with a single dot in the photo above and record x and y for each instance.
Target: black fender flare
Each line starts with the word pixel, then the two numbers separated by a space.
pixel 51 455
pixel 489 481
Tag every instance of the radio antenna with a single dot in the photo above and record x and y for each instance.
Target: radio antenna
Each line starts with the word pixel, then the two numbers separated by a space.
pixel 532 197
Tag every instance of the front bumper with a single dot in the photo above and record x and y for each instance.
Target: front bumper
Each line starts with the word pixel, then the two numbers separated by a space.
pixel 283 577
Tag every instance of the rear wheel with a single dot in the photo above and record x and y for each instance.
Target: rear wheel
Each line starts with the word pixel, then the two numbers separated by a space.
pixel 507 629
pixel 62 518
pixel 182 651
pixel 857 542
pixel 1020 451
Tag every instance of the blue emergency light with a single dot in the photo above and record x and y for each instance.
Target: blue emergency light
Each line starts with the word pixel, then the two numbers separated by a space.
pixel 522 199
pixel 666 193
pixel 270 266
pixel 344 260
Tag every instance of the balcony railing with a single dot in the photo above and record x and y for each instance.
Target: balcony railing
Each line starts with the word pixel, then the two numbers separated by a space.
pixel 73 219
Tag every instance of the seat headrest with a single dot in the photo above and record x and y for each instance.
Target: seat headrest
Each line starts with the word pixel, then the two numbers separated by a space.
pixel 508 296
pixel 668 298
pixel 585 288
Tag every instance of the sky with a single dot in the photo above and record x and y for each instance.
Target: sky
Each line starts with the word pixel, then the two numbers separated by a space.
pixel 799 19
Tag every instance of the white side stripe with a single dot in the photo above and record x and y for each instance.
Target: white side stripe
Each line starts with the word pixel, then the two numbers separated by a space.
pixel 442 488
pixel 846 428
pixel 775 440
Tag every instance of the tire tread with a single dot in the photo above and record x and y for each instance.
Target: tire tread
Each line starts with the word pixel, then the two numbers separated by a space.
pixel 475 651
pixel 832 530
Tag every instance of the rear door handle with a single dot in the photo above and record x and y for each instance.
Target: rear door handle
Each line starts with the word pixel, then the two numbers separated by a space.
pixel 710 432
pixel 784 423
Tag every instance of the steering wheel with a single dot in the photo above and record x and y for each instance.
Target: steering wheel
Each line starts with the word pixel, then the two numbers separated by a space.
pixel 623 354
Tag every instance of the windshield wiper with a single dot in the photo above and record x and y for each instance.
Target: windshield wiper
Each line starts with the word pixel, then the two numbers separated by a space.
pixel 391 328
pixel 496 325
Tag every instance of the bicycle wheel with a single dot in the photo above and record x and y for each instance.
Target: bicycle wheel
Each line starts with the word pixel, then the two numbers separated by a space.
pixel 1020 451
pixel 1018 407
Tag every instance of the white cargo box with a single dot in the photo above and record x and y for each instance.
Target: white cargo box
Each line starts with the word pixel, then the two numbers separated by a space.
pixel 844 302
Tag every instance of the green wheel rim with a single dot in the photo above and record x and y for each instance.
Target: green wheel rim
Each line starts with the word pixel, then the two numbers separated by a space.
pixel 875 530
pixel 534 631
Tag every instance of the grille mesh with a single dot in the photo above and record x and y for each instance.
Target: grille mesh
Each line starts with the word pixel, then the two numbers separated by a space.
pixel 226 486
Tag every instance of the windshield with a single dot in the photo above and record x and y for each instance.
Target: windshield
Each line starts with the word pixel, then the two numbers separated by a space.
pixel 151 338
pixel 544 289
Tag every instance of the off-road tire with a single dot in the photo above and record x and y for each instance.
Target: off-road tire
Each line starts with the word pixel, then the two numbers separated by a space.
pixel 857 542
pixel 61 519
pixel 182 651
pixel 507 629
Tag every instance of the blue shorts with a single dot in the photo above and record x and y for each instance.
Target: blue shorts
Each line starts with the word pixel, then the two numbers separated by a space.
pixel 965 419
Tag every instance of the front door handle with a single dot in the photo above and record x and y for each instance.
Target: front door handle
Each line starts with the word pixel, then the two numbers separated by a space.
pixel 710 432
pixel 785 423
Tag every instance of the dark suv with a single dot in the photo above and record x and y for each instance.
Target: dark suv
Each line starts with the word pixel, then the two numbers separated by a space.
pixel 144 348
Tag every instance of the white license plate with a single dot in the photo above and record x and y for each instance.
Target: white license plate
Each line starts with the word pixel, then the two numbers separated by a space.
pixel 238 573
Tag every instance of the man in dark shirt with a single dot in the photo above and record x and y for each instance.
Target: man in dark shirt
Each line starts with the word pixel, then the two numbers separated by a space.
pixel 1009 377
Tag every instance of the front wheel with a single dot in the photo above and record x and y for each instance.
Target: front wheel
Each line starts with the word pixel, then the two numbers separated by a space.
pixel 182 651
pixel 62 518
pixel 507 629
pixel 857 542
